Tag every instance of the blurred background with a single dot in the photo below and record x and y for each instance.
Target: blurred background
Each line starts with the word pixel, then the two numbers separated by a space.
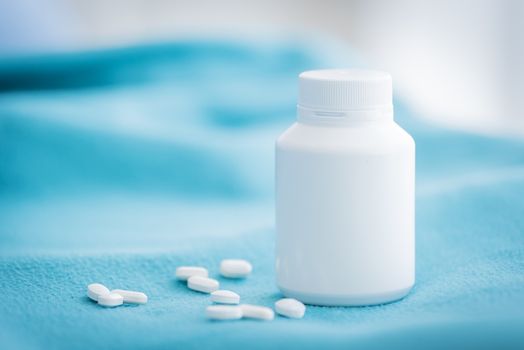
pixel 132 114
pixel 460 63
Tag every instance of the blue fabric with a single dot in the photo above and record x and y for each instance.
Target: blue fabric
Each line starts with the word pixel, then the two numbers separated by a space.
pixel 118 166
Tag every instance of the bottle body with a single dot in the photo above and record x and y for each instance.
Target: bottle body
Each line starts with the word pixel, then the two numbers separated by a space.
pixel 345 212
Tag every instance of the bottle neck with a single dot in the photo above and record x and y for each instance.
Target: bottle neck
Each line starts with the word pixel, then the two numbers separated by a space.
pixel 343 118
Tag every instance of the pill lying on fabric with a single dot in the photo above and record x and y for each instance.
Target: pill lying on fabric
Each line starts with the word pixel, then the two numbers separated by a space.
pixel 225 297
pixel 258 312
pixel 110 300
pixel 202 284
pixel 131 297
pixel 184 272
pixel 95 290
pixel 289 307
pixel 224 312
pixel 235 268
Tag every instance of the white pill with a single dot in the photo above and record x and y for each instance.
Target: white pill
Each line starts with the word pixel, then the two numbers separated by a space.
pixel 224 312
pixel 235 268
pixel 110 300
pixel 95 290
pixel 202 284
pixel 131 296
pixel 225 297
pixel 258 312
pixel 184 272
pixel 290 308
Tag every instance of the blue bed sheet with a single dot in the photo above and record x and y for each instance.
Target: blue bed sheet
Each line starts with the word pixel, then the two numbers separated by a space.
pixel 117 166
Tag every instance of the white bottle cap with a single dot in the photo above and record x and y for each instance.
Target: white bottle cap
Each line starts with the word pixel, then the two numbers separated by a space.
pixel 349 93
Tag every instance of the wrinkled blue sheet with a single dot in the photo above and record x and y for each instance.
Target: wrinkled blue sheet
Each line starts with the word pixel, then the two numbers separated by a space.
pixel 117 166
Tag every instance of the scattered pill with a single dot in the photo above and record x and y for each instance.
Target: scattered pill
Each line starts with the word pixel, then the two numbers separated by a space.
pixel 131 296
pixel 224 312
pixel 225 297
pixel 235 268
pixel 184 272
pixel 289 307
pixel 258 312
pixel 95 290
pixel 110 300
pixel 202 284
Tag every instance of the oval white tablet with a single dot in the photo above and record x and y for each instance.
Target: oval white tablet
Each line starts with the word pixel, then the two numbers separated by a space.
pixel 225 297
pixel 131 297
pixel 202 284
pixel 224 312
pixel 258 312
pixel 289 307
pixel 184 272
pixel 95 290
pixel 235 268
pixel 110 300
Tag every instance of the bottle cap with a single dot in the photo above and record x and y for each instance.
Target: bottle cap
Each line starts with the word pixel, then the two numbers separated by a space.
pixel 345 92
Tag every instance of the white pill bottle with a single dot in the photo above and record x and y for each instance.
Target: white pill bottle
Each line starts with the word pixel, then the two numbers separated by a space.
pixel 345 193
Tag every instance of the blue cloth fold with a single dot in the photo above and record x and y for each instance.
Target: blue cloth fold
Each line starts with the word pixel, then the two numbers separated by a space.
pixel 118 166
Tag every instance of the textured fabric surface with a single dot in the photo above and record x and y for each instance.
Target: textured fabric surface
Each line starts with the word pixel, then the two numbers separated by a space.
pixel 118 166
